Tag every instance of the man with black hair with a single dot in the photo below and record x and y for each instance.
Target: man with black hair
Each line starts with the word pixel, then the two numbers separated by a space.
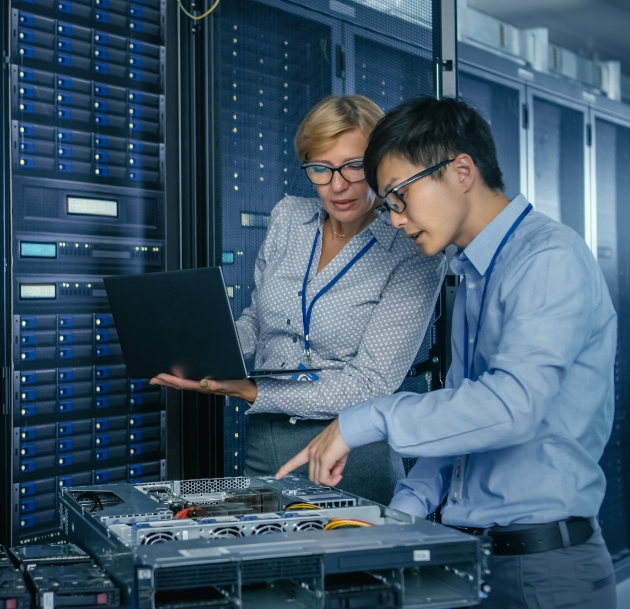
pixel 510 447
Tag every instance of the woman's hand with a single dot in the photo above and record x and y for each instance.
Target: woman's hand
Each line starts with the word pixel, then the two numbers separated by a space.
pixel 241 388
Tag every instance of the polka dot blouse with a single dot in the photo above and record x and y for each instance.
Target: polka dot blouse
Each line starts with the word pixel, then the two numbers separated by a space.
pixel 364 332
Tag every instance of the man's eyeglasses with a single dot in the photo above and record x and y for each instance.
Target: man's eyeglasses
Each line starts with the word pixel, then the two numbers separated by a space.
pixel 322 174
pixel 393 200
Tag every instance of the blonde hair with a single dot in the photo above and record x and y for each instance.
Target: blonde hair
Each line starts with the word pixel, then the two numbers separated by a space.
pixel 331 117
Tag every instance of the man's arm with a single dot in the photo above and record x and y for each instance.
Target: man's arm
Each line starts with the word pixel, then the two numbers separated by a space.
pixel 541 336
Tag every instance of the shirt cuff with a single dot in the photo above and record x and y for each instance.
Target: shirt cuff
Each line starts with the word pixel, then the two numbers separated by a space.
pixel 265 400
pixel 405 501
pixel 356 426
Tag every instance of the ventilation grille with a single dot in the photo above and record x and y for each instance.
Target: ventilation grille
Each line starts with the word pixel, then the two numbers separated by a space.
pixel 63 518
pixel 212 485
pixel 334 503
pixel 195 576
pixel 281 568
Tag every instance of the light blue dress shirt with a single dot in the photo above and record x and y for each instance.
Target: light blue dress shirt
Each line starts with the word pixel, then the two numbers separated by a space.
pixel 539 411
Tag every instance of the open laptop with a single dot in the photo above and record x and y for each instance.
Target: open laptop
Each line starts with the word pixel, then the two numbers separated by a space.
pixel 180 322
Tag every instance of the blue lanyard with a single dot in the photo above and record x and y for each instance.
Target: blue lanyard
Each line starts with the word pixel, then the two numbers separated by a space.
pixel 470 373
pixel 306 313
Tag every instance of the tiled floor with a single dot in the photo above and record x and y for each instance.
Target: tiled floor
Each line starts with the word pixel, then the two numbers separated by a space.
pixel 623 595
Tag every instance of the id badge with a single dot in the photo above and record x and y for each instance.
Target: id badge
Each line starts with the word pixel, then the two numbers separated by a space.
pixel 456 492
pixel 310 376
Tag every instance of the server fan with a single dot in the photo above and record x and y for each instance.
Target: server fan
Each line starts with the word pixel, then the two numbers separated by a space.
pixel 227 532
pixel 265 529
pixel 310 525
pixel 158 537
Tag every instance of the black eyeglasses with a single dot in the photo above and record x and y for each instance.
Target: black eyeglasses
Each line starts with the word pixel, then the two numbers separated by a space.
pixel 397 203
pixel 323 174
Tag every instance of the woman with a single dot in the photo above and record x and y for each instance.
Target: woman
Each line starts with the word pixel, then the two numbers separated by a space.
pixel 328 279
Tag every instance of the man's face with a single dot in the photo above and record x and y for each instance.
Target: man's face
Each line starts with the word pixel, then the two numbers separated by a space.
pixel 435 208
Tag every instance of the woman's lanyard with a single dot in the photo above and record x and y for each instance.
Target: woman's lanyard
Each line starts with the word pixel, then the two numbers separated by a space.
pixel 469 373
pixel 306 313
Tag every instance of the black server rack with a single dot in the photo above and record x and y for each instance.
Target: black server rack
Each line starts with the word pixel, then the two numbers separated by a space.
pixel 86 87
pixel 611 155
pixel 277 59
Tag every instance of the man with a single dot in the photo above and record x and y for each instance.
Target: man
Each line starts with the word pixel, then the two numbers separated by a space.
pixel 511 444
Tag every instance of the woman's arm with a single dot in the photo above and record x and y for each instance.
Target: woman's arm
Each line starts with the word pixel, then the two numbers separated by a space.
pixel 247 326
pixel 389 344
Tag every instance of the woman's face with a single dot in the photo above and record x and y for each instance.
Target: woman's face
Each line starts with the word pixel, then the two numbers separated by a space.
pixel 345 201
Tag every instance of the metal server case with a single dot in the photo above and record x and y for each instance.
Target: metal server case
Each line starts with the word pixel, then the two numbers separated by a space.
pixel 87 114
pixel 253 557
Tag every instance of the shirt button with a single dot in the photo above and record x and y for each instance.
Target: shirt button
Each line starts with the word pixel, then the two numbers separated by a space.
pixel 471 285
pixel 288 322
pixel 471 340
pixel 300 293
pixel 294 339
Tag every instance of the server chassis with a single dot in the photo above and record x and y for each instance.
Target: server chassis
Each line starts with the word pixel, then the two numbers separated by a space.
pixel 231 561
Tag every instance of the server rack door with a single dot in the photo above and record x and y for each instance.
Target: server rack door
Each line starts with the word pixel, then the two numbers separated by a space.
pixel 87 135
pixel 276 64
pixel 611 153
pixel 387 71
pixel 390 69
pixel 558 164
pixel 277 60
pixel 501 103
pixel 391 60
pixel 5 282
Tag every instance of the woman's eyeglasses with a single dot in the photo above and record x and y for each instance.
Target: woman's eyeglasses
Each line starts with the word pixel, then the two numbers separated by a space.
pixel 393 200
pixel 323 174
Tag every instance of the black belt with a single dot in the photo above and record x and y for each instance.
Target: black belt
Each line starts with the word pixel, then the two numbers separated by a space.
pixel 509 541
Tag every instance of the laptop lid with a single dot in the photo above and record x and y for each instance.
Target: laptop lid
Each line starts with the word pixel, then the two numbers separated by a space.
pixel 178 322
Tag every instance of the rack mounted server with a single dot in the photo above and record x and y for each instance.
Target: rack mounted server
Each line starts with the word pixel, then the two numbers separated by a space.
pixel 87 135
pixel 257 542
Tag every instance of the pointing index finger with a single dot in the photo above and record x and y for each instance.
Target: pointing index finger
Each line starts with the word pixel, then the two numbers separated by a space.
pixel 300 459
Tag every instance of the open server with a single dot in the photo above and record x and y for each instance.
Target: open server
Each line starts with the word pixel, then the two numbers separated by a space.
pixel 241 542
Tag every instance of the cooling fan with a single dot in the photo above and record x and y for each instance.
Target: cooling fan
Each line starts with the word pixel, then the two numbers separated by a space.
pixel 226 531
pixel 154 537
pixel 267 528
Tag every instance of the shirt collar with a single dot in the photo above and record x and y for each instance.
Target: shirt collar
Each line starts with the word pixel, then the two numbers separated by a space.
pixel 483 247
pixel 384 234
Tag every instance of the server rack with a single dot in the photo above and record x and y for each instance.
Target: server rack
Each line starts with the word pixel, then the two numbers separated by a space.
pixel 260 66
pixel 77 186
pixel 609 151
pixel 540 123
pixel 86 88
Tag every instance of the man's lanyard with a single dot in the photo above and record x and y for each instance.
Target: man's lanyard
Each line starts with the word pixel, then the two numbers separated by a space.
pixel 456 491
pixel 469 373
pixel 306 313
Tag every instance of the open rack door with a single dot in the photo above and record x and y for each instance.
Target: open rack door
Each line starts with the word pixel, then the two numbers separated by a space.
pixel 251 70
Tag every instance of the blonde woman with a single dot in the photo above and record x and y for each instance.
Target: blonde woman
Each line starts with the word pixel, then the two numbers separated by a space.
pixel 334 290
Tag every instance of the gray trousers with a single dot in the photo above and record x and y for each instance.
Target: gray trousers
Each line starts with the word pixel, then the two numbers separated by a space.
pixel 580 577
pixel 371 471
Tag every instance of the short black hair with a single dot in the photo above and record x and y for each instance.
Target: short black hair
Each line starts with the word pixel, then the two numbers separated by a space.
pixel 427 131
